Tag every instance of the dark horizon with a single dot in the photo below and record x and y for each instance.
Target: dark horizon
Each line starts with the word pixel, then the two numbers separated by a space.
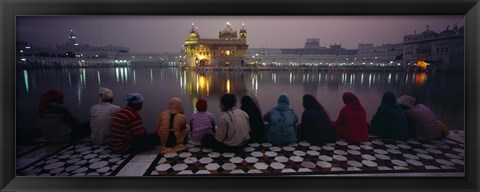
pixel 168 33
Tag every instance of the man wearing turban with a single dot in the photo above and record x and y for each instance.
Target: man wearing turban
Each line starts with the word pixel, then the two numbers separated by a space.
pixel 56 122
pixel 101 116
pixel 127 134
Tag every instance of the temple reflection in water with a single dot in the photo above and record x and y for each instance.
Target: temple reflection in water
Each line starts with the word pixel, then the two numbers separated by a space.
pixel 207 84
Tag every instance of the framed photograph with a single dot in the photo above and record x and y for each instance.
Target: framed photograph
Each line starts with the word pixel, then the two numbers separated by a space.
pixel 277 54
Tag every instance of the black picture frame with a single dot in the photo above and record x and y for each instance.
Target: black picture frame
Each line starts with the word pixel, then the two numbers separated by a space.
pixel 10 9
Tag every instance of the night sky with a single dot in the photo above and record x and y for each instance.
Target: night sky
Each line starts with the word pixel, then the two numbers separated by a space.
pixel 168 33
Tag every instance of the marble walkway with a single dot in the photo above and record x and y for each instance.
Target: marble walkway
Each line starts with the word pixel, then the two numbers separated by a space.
pixel 378 157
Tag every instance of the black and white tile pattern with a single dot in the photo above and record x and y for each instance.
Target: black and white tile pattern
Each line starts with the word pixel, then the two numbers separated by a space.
pixel 81 159
pixel 376 156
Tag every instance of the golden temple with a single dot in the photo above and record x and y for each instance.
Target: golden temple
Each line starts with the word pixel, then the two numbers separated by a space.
pixel 228 50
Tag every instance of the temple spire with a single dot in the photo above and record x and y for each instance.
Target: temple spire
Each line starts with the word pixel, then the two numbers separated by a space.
pixel 193 28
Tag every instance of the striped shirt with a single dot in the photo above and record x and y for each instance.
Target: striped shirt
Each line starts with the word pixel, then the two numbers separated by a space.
pixel 126 125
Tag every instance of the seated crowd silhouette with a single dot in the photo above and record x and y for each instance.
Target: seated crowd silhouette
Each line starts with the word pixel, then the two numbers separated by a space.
pixel 122 128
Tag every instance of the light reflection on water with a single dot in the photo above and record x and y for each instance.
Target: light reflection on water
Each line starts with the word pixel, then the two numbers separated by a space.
pixel 25 78
pixel 442 92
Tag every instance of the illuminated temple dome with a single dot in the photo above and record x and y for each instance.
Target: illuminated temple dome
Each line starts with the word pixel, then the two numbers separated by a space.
pixel 227 33
pixel 228 50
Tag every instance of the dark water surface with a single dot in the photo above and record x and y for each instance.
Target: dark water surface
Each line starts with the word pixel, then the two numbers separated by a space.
pixel 441 92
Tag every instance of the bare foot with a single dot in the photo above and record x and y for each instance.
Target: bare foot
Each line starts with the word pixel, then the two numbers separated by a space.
pixel 164 150
pixel 179 148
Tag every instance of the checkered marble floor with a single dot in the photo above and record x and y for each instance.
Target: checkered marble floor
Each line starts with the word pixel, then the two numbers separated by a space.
pixel 80 159
pixel 378 157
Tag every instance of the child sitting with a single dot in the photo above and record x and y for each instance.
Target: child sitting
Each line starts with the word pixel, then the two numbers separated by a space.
pixel 201 123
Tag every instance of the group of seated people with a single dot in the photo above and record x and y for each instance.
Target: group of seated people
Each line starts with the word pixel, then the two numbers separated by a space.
pixel 123 129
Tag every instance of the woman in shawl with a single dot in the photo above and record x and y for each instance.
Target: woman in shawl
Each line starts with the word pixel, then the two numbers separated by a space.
pixel 315 127
pixel 389 121
pixel 423 123
pixel 257 126
pixel 172 127
pixel 55 121
pixel 282 121
pixel 351 124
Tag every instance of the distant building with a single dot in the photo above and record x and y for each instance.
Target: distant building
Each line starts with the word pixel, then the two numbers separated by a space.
pixel 311 55
pixel 87 51
pixel 228 50
pixel 443 51
pixel 427 50
pixel 385 52
pixel 317 50
pixel 312 43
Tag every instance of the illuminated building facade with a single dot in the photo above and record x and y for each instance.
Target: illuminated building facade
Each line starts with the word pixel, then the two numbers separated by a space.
pixel 228 50
pixel 443 51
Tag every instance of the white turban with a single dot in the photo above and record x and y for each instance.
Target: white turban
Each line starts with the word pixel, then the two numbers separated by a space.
pixel 105 93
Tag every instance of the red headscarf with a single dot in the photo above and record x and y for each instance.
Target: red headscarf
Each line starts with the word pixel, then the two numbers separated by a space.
pixel 351 124
pixel 48 97
pixel 351 100
pixel 201 105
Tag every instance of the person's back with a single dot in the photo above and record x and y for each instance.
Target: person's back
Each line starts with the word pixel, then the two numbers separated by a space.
pixel 127 127
pixel 282 121
pixel 351 124
pixel 316 127
pixel 101 116
pixel 201 122
pixel 390 121
pixel 173 121
pixel 53 126
pixel 257 126
pixel 422 121
pixel 55 121
pixel 233 128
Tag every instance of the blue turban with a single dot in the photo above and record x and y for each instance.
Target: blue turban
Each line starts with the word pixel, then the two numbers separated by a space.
pixel 133 98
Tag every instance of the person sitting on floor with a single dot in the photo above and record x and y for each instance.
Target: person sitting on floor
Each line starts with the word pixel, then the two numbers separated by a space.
pixel 257 126
pixel 351 124
pixel 282 123
pixel 201 123
pixel 56 123
pixel 423 123
pixel 127 134
pixel 232 129
pixel 389 121
pixel 315 127
pixel 101 116
pixel 172 127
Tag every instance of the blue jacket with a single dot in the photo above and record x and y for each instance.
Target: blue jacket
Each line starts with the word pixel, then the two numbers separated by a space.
pixel 282 123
